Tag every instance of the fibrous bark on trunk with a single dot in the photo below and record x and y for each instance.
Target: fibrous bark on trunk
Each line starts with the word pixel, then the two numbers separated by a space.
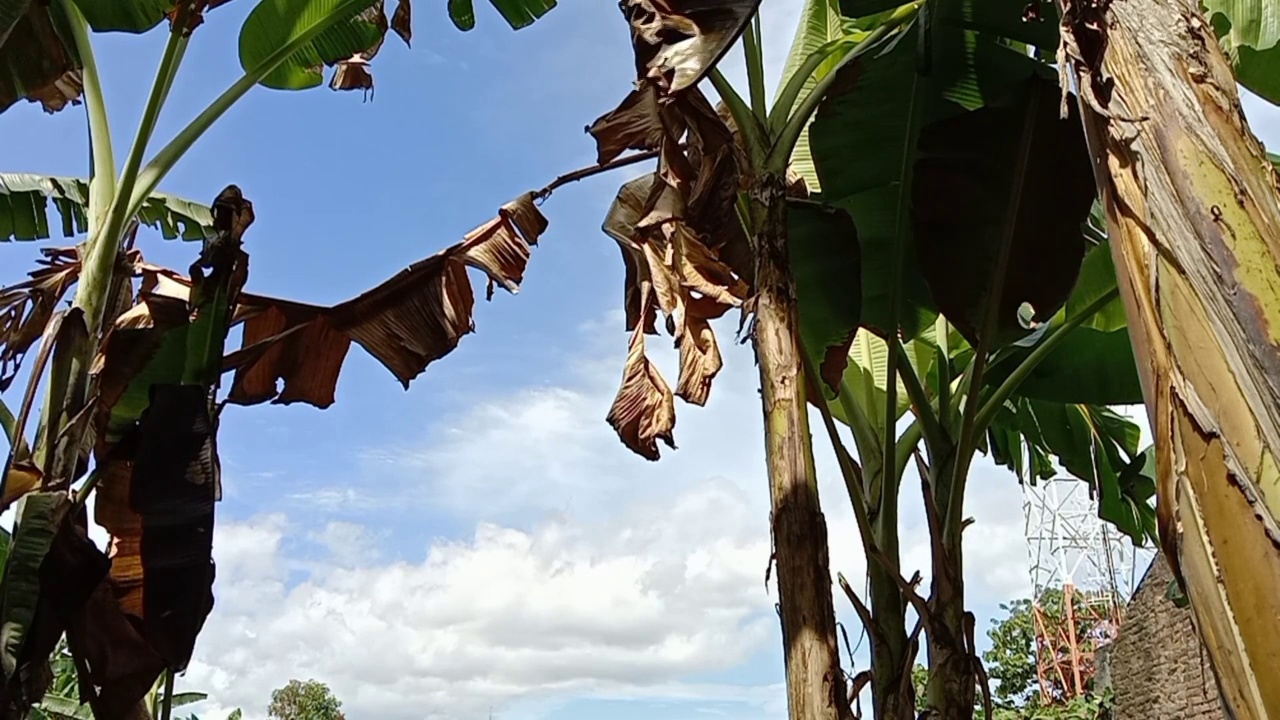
pixel 815 683
pixel 1194 217
pixel 890 670
pixel 952 680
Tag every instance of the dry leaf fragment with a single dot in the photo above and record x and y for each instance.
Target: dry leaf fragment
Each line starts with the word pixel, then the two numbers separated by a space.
pixel 121 665
pixel 644 410
pixel 677 41
pixel 292 342
pixel 712 169
pixel 638 123
pixel 24 477
pixel 700 360
pixel 702 272
pixel 48 71
pixel 414 318
pixel 63 91
pixel 526 216
pixel 669 267
pixel 26 308
pixel 659 261
pixel 500 248
pixel 113 511
pixel 353 73
pixel 402 21
pixel 700 179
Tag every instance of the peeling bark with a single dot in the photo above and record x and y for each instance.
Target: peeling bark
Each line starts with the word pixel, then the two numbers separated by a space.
pixel 1194 215
pixel 815 682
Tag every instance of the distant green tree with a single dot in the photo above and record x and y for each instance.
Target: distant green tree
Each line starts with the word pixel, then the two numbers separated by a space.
pixel 1011 661
pixel 310 700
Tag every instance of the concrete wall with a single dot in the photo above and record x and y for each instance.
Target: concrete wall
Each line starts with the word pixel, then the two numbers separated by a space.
pixel 1157 668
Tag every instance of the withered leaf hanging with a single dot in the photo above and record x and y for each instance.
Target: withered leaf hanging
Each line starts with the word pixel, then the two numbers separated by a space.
pixel 407 322
pixel 704 172
pixel 640 122
pixel 644 410
pixel 684 250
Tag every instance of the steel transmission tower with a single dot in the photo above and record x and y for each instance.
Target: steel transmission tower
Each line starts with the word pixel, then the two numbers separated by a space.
pixel 1083 572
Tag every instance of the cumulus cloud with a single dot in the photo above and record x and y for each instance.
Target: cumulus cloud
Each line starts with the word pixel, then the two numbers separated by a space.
pixel 633 607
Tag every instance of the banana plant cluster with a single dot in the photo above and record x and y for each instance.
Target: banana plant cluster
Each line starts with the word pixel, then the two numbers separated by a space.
pixel 972 197
pixel 912 166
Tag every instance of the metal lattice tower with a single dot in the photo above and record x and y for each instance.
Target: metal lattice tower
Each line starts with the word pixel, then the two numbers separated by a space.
pixel 1083 572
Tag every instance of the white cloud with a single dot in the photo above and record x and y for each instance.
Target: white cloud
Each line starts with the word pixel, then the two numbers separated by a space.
pixel 505 615
pixel 348 544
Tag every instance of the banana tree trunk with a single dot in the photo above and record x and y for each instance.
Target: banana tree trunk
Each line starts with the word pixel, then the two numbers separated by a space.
pixel 952 661
pixel 815 683
pixel 1194 215
pixel 891 655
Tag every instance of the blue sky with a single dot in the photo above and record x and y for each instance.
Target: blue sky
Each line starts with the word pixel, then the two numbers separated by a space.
pixel 481 543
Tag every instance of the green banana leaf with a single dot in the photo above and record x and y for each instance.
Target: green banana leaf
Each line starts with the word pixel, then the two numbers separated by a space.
pixel 1010 172
pixel 325 32
pixel 42 515
pixel 1094 444
pixel 521 13
pixel 826 264
pixel 864 137
pixel 130 16
pixel 1249 31
pixel 820 23
pixel 865 374
pixel 25 201
pixel 1095 363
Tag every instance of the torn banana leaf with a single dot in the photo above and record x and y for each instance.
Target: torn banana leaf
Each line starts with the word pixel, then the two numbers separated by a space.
pixel 406 323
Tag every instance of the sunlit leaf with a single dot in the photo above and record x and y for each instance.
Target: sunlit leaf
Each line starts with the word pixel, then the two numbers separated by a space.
pixel 330 30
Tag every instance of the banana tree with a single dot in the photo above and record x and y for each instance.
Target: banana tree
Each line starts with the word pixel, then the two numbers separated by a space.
pixel 708 232
pixel 118 395
pixel 1163 149
pixel 147 451
pixel 794 263
pixel 948 154
pixel 284 44
pixel 1192 204
pixel 148 416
